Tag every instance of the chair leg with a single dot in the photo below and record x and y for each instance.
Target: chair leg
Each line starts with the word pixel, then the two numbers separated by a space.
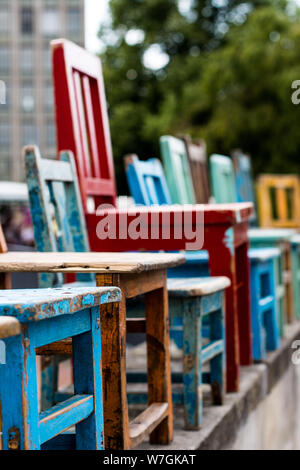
pixel 218 363
pixel 158 360
pixel 113 339
pixel 192 365
pixel 88 380
pixel 18 396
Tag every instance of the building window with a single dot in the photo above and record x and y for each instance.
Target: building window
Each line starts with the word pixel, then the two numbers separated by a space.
pixel 50 22
pixel 48 97
pixel 29 133
pixel 73 21
pixel 47 59
pixel 27 22
pixel 5 21
pixel 50 134
pixel 4 135
pixel 4 59
pixel 26 59
pixel 27 97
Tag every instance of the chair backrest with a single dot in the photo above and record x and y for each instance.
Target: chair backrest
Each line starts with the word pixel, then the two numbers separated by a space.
pixel 197 157
pixel 5 279
pixel 278 198
pixel 243 177
pixel 222 179
pixel 147 182
pixel 82 120
pixel 56 208
pixel 177 170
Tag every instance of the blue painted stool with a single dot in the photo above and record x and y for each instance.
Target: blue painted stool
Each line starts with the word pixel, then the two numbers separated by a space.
pixel 192 300
pixel 46 316
pixel 264 313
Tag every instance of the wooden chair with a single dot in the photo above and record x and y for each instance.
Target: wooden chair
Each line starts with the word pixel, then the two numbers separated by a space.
pixel 243 179
pixel 196 152
pixel 135 275
pixel 39 317
pixel 279 201
pixel 177 169
pixel 264 317
pixel 222 175
pixel 225 228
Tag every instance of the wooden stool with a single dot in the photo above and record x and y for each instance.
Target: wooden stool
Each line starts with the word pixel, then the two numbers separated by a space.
pixel 191 300
pixel 264 314
pixel 45 316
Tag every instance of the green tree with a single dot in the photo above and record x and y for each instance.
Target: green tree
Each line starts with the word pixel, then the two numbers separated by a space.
pixel 178 95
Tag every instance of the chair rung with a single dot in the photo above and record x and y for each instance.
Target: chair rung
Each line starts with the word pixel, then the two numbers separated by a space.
pixel 212 349
pixel 64 415
pixel 60 348
pixel 146 422
pixel 266 302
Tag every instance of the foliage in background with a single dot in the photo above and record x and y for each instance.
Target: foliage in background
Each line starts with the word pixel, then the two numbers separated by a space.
pixel 224 73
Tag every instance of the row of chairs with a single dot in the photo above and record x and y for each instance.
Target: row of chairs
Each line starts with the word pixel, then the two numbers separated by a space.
pixel 213 318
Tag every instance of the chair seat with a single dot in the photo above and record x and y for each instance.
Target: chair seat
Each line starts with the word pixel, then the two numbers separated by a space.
pixel 37 304
pixel 270 235
pixel 263 254
pixel 9 326
pixel 193 287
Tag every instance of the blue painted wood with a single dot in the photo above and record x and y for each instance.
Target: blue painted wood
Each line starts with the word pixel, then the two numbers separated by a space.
pixel 57 314
pixel 243 180
pixel 147 182
pixel 59 225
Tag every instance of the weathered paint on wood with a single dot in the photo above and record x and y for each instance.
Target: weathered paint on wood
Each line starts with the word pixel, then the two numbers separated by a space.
pixel 9 326
pixel 55 316
pixel 177 169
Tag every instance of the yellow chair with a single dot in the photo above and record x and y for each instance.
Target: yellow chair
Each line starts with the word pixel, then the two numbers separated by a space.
pixel 278 198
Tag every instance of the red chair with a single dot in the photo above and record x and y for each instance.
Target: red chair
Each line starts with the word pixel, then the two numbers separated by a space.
pixel 82 126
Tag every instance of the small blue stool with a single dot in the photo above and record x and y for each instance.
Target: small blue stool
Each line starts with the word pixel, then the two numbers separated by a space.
pixel 45 316
pixel 192 300
pixel 264 313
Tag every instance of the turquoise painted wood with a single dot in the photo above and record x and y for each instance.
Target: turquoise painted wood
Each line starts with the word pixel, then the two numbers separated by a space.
pixel 177 170
pixel 59 225
pixel 192 300
pixel 296 270
pixel 243 180
pixel 222 179
pixel 265 319
pixel 47 316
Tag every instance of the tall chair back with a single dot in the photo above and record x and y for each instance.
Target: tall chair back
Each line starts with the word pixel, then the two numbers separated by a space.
pixel 196 152
pixel 222 179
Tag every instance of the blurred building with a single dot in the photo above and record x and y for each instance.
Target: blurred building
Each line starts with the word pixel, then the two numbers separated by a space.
pixel 27 117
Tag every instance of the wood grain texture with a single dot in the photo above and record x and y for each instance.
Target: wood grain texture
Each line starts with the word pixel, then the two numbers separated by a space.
pixel 192 287
pixel 9 326
pixel 88 262
pixel 147 421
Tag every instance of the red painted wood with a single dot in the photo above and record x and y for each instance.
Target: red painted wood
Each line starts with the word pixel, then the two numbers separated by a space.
pixel 82 121
pixel 82 126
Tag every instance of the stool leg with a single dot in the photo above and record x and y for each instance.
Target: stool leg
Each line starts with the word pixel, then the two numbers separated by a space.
pixel 19 396
pixel 192 365
pixel 88 380
pixel 218 363
pixel 113 339
pixel 258 333
pixel 158 360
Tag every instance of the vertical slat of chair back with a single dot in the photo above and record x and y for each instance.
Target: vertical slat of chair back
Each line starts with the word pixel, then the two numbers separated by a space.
pixel 177 170
pixel 243 177
pixel 5 279
pixel 146 180
pixel 56 208
pixel 82 120
pixel 222 179
pixel 196 152
pixel 279 200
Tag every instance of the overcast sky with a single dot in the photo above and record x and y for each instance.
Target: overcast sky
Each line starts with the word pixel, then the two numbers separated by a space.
pixel 96 13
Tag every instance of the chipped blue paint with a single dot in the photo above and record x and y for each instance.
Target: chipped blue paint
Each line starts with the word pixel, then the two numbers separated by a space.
pixel 72 312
